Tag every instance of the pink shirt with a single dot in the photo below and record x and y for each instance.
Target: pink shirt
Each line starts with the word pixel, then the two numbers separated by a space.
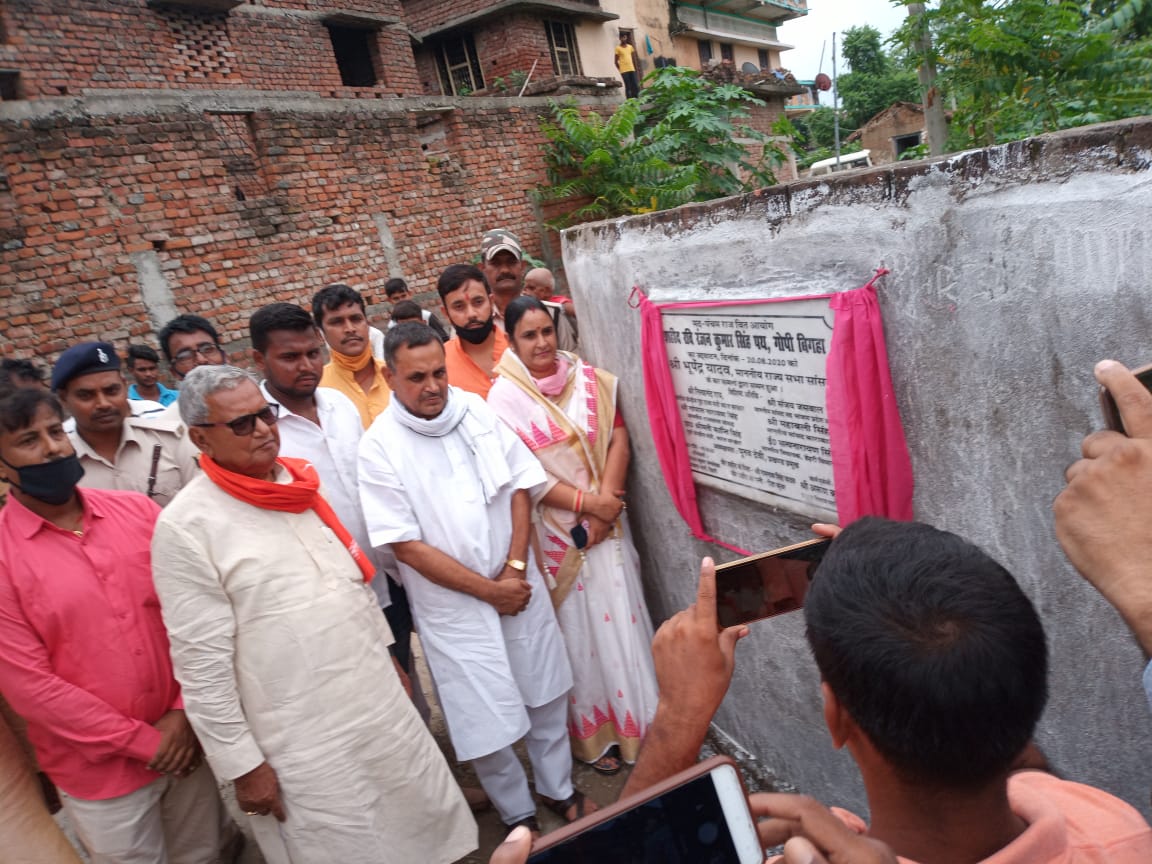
pixel 1068 823
pixel 83 650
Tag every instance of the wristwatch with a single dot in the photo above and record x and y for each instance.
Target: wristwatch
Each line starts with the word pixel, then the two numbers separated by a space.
pixel 516 564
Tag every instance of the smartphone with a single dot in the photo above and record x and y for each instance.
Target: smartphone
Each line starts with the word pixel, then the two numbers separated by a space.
pixel 1108 404
pixel 699 816
pixel 767 584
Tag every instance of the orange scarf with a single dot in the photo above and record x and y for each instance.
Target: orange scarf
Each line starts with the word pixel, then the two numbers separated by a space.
pixel 303 493
pixel 351 364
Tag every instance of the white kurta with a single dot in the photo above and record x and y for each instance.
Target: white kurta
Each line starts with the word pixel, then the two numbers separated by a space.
pixel 331 448
pixel 282 655
pixel 487 666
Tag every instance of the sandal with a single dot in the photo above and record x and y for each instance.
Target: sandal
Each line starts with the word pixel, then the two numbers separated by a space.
pixel 577 799
pixel 528 822
pixel 606 765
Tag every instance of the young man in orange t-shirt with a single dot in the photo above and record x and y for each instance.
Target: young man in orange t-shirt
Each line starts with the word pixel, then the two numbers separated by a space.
pixel 471 358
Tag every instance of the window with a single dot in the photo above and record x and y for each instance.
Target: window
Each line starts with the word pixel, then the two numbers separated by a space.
pixel 459 66
pixel 727 53
pixel 705 52
pixel 906 142
pixel 9 85
pixel 353 48
pixel 764 59
pixel 562 44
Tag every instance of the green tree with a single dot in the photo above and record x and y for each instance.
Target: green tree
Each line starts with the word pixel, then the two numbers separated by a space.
pixel 862 48
pixel 684 139
pixel 876 79
pixel 1017 68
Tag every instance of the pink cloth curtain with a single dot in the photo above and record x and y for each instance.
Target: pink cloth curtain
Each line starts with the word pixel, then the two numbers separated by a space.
pixel 870 463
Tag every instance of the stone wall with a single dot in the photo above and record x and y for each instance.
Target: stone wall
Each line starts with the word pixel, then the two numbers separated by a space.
pixel 1013 270
pixel 117 212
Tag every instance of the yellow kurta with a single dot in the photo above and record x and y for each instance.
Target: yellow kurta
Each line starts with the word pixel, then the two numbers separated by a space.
pixel 371 404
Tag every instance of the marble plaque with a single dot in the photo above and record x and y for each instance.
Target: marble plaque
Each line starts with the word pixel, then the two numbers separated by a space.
pixel 750 383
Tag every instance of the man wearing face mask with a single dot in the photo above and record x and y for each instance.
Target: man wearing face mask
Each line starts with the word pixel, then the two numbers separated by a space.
pixel 84 656
pixel 472 357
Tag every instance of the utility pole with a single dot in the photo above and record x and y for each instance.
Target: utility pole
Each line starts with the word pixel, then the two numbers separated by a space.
pixel 934 120
pixel 835 103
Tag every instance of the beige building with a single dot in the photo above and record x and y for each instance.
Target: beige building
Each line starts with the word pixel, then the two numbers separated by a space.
pixel 665 32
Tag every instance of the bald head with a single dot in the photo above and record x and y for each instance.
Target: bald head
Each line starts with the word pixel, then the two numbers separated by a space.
pixel 540 284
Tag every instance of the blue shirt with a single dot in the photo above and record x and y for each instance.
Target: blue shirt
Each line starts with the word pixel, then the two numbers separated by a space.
pixel 166 397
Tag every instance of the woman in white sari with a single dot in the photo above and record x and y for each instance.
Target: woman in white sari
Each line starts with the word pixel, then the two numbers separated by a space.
pixel 565 411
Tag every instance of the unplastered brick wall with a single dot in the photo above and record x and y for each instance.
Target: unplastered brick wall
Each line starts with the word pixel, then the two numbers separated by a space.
pixel 89 195
pixel 425 15
pixel 84 45
pixel 512 43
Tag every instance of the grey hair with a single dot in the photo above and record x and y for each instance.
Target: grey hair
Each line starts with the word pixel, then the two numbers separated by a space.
pixel 201 383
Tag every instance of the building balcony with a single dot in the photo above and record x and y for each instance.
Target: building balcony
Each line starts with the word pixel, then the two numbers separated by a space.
pixel 763 12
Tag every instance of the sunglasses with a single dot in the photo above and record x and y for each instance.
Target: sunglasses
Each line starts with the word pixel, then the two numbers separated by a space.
pixel 210 351
pixel 245 424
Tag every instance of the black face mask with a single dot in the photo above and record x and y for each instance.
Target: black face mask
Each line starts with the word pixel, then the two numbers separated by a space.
pixel 51 482
pixel 476 335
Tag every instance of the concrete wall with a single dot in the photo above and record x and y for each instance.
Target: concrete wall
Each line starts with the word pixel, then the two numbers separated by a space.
pixel 1014 270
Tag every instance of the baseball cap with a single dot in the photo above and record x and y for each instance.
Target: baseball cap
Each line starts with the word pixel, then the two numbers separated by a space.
pixel 500 240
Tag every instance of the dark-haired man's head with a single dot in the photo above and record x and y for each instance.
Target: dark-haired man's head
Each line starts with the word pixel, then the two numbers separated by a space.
pixel 341 315
pixel 189 341
pixel 930 650
pixel 17 373
pixel 144 364
pixel 36 455
pixel 288 350
pixel 467 302
pixel 397 290
pixel 415 368
pixel 407 310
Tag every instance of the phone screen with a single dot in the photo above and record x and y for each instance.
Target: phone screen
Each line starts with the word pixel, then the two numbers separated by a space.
pixel 685 825
pixel 766 585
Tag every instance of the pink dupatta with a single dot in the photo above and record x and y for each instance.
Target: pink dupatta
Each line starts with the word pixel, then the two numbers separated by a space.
pixel 870 462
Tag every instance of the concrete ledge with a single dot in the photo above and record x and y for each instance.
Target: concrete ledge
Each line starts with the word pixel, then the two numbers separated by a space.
pixel 1123 145
pixel 105 103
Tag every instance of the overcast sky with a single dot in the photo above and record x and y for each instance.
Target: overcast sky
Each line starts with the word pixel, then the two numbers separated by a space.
pixel 824 17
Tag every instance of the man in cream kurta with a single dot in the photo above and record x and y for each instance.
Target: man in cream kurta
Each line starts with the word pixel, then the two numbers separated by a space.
pixel 282 652
pixel 499 677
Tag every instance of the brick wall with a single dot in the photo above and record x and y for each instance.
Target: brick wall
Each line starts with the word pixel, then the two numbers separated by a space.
pixel 512 43
pixel 89 191
pixel 423 15
pixel 74 46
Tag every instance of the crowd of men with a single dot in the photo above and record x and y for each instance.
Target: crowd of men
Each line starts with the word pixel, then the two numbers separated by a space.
pixel 207 608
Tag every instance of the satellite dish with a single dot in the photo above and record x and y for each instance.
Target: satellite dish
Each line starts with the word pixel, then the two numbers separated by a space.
pixel 823 82
pixel 750 69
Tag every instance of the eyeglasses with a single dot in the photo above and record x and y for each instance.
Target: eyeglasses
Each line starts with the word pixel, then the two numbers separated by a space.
pixel 245 424
pixel 210 351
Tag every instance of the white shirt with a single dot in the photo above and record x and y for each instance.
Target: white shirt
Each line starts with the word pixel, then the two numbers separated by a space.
pixel 376 341
pixel 487 666
pixel 331 447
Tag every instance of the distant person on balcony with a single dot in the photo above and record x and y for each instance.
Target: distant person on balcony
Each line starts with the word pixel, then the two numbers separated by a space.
pixel 626 64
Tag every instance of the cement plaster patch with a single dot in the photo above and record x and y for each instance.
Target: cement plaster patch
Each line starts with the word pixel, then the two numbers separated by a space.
pixel 1013 270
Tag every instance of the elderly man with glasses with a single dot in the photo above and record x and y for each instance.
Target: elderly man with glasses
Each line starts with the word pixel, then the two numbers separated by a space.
pixel 282 653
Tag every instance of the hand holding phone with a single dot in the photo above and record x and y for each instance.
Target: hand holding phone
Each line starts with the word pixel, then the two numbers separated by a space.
pixel 811 833
pixel 1131 396
pixel 1102 516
